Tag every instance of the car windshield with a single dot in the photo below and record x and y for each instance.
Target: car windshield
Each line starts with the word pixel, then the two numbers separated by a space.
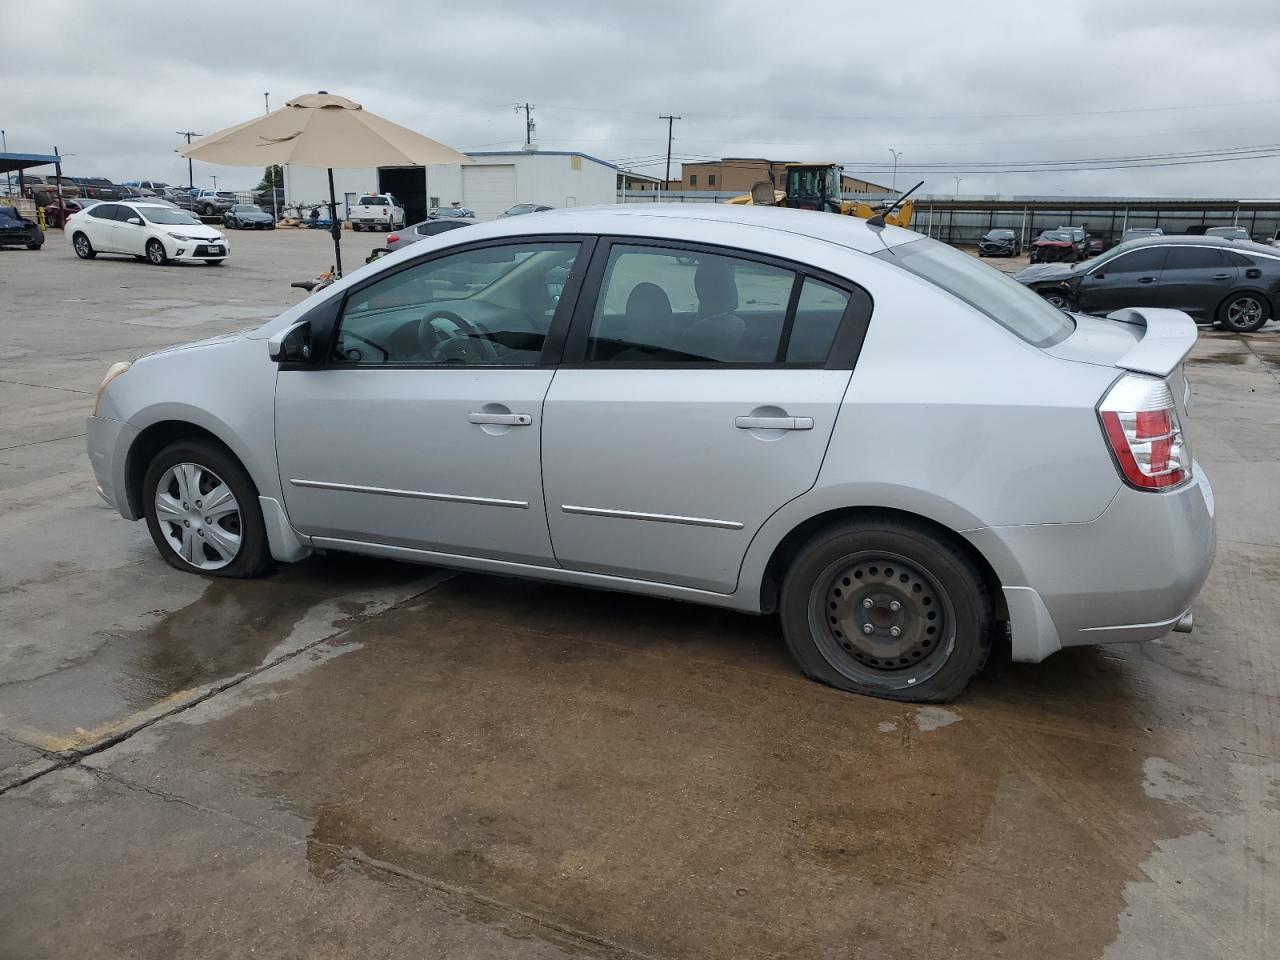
pixel 169 215
pixel 1001 234
pixel 1055 235
pixel 1236 232
pixel 1014 306
pixel 245 208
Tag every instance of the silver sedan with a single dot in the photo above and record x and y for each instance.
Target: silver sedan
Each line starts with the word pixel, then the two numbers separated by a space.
pixel 905 454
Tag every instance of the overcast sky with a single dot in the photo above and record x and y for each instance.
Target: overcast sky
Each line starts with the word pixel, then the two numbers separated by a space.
pixel 937 80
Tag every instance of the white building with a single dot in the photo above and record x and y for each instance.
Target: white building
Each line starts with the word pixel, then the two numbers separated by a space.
pixel 494 182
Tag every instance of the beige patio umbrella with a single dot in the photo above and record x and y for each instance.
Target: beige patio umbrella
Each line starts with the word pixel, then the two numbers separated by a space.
pixel 321 130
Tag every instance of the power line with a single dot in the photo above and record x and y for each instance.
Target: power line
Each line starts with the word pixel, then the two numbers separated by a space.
pixel 899 117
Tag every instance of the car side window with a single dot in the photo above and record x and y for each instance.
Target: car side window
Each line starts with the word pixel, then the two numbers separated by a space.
pixel 1194 258
pixel 1238 259
pixel 659 305
pixel 1145 260
pixel 104 211
pixel 124 214
pixel 489 305
pixel 819 311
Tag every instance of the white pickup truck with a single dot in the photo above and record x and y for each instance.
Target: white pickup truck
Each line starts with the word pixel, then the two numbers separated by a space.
pixel 377 211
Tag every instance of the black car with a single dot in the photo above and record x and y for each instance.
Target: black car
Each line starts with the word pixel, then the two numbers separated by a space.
pixel 1232 283
pixel 999 243
pixel 245 216
pixel 17 231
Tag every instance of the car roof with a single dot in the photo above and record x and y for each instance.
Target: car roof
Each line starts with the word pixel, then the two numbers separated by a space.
pixel 1206 240
pixel 630 219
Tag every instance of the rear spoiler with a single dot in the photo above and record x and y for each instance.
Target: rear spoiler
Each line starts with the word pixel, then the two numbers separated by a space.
pixel 1168 338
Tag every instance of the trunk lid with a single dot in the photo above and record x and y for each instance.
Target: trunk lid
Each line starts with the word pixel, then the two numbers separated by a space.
pixel 1147 340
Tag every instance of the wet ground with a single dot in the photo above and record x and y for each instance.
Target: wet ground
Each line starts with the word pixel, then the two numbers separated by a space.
pixel 354 758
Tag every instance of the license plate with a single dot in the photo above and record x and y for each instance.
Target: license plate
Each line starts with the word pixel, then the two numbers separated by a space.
pixel 215 249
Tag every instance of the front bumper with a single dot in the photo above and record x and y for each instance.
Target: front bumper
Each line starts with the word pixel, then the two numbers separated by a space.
pixel 196 251
pixel 108 442
pixel 1131 574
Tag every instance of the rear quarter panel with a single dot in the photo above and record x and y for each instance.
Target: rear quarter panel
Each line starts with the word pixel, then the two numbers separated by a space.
pixel 953 418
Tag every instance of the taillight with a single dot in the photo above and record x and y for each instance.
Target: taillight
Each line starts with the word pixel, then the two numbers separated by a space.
pixel 392 237
pixel 1141 424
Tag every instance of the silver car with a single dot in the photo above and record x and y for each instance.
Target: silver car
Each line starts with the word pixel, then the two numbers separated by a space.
pixel 905 454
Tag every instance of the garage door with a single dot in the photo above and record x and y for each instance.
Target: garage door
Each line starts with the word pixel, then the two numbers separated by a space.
pixel 489 190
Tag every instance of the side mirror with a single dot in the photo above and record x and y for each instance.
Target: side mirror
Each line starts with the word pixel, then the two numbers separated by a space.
pixel 291 345
pixel 136 221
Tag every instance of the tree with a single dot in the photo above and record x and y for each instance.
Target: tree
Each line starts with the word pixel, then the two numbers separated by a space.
pixel 272 176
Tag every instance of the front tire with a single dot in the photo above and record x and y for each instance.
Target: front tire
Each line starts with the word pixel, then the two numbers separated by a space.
pixel 886 609
pixel 34 246
pixel 84 249
pixel 156 254
pixel 214 263
pixel 202 511
pixel 1244 313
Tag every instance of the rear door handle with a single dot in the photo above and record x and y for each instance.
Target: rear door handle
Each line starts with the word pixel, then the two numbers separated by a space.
pixel 504 419
pixel 1222 276
pixel 774 423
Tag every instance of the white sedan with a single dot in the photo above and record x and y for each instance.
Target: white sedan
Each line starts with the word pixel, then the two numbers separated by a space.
pixel 156 232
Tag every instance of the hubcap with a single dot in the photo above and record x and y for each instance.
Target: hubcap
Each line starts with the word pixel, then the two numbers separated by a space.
pixel 880 619
pixel 1244 311
pixel 198 516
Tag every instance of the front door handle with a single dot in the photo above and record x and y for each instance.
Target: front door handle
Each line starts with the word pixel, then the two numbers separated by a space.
pixel 774 423
pixel 1222 276
pixel 1146 279
pixel 502 419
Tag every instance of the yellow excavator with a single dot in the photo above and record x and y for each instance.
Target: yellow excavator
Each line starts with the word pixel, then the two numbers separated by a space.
pixel 816 186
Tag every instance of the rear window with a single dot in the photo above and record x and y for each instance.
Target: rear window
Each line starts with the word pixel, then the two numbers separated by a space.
pixel 1015 307
pixel 374 202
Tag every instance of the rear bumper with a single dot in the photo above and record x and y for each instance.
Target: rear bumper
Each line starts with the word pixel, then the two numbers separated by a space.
pixel 1131 574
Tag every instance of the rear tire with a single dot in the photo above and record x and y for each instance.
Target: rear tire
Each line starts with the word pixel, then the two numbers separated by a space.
pixel 84 249
pixel 854 584
pixel 1244 312
pixel 212 465
pixel 355 228
pixel 34 246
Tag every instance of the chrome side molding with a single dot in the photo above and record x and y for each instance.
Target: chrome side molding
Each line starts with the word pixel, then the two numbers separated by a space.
pixel 411 494
pixel 655 517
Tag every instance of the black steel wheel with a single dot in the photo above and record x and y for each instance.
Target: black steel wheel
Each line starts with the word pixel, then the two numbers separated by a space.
pixel 888 609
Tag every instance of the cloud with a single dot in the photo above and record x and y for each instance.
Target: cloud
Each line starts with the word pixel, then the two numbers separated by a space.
pixel 937 80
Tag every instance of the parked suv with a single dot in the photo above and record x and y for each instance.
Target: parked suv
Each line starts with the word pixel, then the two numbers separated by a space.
pixel 97 188
pixel 900 450
pixel 212 203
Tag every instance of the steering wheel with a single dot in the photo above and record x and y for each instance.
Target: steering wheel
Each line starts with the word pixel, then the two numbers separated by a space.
pixel 448 348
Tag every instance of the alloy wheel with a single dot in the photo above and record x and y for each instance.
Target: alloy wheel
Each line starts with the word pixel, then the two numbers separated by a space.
pixel 1244 312
pixel 82 245
pixel 881 619
pixel 155 252
pixel 198 516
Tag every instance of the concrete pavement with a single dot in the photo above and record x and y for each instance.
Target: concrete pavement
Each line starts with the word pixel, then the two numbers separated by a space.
pixel 357 758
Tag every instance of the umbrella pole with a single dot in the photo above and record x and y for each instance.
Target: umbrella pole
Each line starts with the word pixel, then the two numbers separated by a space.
pixel 337 227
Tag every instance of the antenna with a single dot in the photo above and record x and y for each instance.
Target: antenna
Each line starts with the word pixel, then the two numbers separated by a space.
pixel 878 219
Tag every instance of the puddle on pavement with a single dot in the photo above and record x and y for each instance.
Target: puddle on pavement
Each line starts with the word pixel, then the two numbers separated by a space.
pixel 607 774
pixel 229 629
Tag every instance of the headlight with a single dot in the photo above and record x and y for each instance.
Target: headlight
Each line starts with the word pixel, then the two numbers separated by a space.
pixel 112 372
pixel 184 239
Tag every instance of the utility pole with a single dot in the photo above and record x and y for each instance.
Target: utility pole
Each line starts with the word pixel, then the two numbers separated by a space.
pixel 896 155
pixel 529 125
pixel 958 181
pixel 191 179
pixel 275 207
pixel 670 123
pixel 8 177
